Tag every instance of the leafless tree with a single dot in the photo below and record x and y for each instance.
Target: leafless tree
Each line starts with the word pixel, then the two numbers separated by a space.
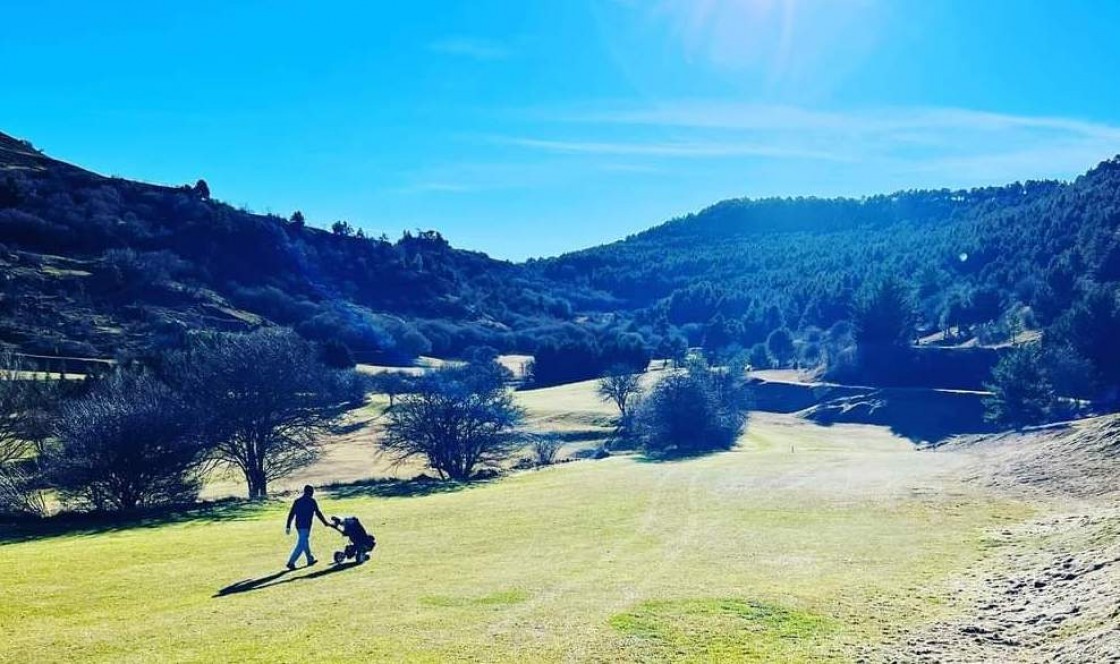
pixel 23 401
pixel 129 443
pixel 620 386
pixel 263 399
pixel 457 420
pixel 545 447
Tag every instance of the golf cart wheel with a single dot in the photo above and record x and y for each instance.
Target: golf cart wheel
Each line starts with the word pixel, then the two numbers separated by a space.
pixel 339 556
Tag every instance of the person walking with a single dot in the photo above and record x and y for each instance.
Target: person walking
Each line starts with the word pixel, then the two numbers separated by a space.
pixel 303 509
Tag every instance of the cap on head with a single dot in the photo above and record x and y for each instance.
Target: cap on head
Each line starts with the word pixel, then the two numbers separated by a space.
pixel 308 490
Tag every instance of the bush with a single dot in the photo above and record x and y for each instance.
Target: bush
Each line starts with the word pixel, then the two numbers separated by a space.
pixel 699 410
pixel 545 448
pixel 456 420
pixel 130 443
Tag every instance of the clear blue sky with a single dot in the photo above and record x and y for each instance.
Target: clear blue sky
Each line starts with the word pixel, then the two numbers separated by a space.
pixel 527 128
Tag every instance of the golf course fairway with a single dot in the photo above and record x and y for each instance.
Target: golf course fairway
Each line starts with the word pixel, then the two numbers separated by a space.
pixel 804 543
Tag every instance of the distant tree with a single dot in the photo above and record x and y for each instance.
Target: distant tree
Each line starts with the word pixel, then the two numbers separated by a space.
pixel 1089 327
pixel 297 220
pixel 698 410
pixel 1022 393
pixel 264 400
pixel 695 304
pixel 885 317
pixel 130 443
pixel 336 354
pixel 780 346
pixel 480 354
pixel 454 423
pixel 202 190
pixel 882 328
pixel 673 348
pixel 391 383
pixel 628 350
pixel 719 333
pixel 342 228
pixel 759 357
pixel 620 386
pixel 557 362
pixel 1069 371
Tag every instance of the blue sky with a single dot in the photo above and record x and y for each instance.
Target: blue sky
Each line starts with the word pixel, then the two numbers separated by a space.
pixel 529 128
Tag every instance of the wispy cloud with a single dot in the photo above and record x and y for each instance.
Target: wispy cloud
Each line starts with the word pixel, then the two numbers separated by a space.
pixel 686 149
pixel 963 145
pixel 436 188
pixel 471 47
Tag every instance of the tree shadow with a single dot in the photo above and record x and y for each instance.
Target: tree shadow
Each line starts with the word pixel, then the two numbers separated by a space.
pixel 279 578
pixel 678 457
pixel 397 488
pixel 926 430
pixel 97 523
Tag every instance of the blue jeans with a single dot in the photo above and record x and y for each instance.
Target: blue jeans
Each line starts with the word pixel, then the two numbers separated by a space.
pixel 303 545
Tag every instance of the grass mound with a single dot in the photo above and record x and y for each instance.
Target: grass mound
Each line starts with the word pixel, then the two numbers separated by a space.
pixel 715 629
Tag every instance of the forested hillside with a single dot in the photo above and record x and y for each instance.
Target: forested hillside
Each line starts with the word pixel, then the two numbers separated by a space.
pixel 95 266
pixel 974 268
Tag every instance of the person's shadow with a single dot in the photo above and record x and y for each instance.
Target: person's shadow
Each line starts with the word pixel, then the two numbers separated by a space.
pixel 277 578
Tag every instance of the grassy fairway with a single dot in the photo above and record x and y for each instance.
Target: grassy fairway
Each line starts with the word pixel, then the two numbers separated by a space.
pixel 761 553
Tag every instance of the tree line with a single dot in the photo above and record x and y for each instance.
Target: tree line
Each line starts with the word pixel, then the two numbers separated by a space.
pixel 148 433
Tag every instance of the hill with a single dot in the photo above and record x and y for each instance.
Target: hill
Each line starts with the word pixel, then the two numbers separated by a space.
pixel 97 266
pixel 977 268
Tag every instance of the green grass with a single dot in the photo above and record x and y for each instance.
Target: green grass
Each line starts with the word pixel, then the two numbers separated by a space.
pixel 759 554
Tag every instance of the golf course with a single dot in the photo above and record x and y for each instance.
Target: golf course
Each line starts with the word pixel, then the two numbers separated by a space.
pixel 803 543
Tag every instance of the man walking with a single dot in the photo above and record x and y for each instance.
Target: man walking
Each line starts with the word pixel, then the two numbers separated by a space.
pixel 302 510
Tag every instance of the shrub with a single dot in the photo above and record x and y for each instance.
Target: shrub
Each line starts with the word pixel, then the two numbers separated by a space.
pixel 545 447
pixel 701 409
pixel 456 421
pixel 24 405
pixel 129 443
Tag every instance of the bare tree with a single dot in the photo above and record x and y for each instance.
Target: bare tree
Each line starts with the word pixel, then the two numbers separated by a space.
pixel 620 386
pixel 545 447
pixel 23 401
pixel 129 443
pixel 264 400
pixel 457 420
